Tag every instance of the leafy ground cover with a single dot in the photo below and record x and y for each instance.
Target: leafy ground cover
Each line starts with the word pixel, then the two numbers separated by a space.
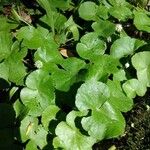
pixel 72 74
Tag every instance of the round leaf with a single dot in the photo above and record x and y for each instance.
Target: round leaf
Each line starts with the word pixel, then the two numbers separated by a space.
pixel 125 46
pixel 91 95
pixel 141 63
pixel 88 10
pixel 142 21
pixel 90 46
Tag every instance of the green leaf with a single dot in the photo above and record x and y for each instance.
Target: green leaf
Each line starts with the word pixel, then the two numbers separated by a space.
pixel 40 138
pixel 125 46
pixel 102 12
pixel 133 87
pixel 142 21
pixel 141 63
pixel 41 81
pixel 92 95
pixel 69 137
pixel 15 60
pixel 107 122
pixel 39 92
pixel 70 119
pixel 31 37
pixel 88 10
pixel 20 110
pixel 122 13
pixel 5 46
pixel 6 24
pixel 28 127
pixel 31 146
pixel 59 21
pixel 73 27
pixel 4 71
pixel 30 99
pixel 48 115
pixel 65 77
pixel 63 4
pixel 118 98
pixel 104 28
pixel 117 2
pixel 90 46
pixel 143 3
pixel 48 52
pixel 120 75
pixel 102 67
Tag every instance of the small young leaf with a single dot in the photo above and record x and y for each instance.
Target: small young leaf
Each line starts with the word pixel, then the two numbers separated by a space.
pixel 71 26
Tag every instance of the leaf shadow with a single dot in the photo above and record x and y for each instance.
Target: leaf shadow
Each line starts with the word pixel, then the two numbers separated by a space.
pixel 9 131
pixel 66 100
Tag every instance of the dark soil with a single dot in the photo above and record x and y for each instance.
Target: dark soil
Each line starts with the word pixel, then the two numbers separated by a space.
pixel 137 133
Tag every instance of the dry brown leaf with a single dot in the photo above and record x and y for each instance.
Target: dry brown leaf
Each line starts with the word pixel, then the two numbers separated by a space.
pixel 65 52
pixel 25 16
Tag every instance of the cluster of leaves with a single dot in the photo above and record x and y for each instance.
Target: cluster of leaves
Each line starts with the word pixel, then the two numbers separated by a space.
pixel 55 101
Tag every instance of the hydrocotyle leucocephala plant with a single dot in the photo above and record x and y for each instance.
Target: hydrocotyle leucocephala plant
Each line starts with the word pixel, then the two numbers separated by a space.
pixel 71 72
